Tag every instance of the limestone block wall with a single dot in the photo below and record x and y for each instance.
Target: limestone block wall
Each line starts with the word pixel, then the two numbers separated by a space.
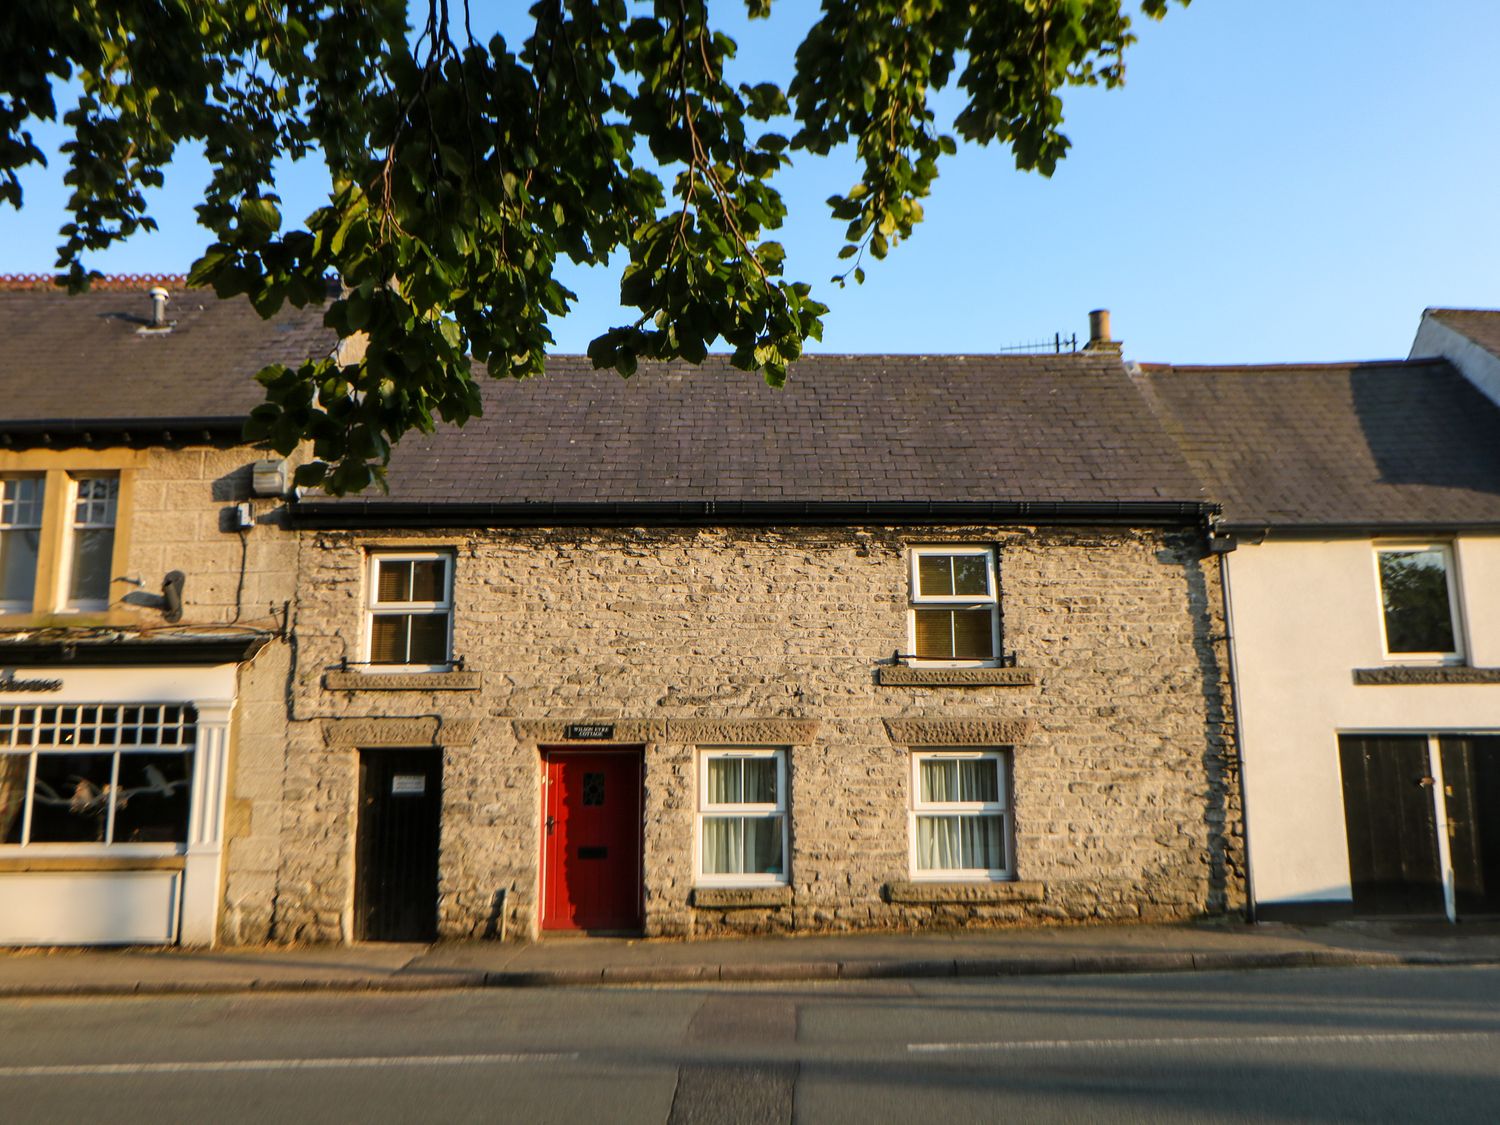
pixel 182 506
pixel 1125 788
pixel 183 501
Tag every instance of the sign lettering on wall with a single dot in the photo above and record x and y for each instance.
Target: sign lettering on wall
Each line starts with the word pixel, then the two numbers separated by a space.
pixel 589 732
pixel 9 682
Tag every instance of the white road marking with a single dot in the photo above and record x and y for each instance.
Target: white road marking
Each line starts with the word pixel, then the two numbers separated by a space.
pixel 211 1066
pixel 1199 1041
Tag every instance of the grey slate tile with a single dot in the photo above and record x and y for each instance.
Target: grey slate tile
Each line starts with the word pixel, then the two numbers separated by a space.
pixel 1378 444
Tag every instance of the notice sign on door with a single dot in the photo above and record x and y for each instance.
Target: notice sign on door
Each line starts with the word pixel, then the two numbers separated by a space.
pixel 408 784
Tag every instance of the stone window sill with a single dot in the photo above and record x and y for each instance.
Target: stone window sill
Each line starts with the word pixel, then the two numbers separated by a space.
pixel 401 681
pixel 916 892
pixel 1426 674
pixel 902 676
pixel 735 897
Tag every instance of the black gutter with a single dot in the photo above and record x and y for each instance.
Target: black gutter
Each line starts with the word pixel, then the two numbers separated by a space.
pixel 134 651
pixel 1259 529
pixel 176 429
pixel 378 514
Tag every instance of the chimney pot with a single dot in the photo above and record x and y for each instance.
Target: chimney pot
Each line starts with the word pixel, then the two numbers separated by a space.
pixel 1099 326
pixel 1099 337
pixel 159 307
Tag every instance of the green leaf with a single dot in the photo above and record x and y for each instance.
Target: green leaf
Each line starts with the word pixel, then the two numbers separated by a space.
pixel 260 215
pixel 463 177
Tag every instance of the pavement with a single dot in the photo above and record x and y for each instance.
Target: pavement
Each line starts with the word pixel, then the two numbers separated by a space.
pixel 1208 946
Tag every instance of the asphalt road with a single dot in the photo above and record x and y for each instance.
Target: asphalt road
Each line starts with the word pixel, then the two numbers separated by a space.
pixel 1357 1044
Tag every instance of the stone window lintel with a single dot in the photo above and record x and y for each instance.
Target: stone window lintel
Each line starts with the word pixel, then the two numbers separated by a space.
pixel 958 732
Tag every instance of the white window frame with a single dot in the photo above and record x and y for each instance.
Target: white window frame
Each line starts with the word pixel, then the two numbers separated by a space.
pixel 706 811
pixel 28 604
pixel 1455 607
pixel 69 530
pixel 916 600
pixel 73 744
pixel 1000 808
pixel 413 609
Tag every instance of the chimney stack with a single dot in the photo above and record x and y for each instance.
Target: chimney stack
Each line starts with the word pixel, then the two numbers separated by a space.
pixel 1099 338
pixel 159 307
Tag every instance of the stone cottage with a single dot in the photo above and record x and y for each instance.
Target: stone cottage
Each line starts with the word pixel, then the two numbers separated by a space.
pixel 918 640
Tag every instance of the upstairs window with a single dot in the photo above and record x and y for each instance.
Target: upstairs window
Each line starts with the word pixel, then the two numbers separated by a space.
pixel 91 546
pixel 20 539
pixel 1419 602
pixel 410 611
pixel 955 612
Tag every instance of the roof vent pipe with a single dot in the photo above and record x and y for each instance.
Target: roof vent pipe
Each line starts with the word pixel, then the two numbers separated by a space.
pixel 159 307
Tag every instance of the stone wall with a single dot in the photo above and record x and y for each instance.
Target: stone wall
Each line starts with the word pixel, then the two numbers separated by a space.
pixel 1125 792
pixel 183 519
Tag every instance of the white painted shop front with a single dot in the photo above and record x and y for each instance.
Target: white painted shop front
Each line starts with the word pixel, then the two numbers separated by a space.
pixel 112 796
pixel 1322 685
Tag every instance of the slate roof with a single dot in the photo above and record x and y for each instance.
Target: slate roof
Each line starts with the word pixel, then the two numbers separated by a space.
pixel 1407 443
pixel 1480 325
pixel 1068 428
pixel 72 359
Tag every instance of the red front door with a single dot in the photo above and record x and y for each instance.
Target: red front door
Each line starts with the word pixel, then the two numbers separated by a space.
pixel 591 841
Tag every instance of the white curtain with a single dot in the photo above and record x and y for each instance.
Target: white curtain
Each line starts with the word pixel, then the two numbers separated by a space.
pixel 742 781
pixel 742 845
pixel 959 843
pixel 953 780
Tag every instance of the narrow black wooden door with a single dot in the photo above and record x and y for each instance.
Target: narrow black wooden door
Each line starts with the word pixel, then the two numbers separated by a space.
pixel 1392 826
pixel 1471 777
pixel 396 858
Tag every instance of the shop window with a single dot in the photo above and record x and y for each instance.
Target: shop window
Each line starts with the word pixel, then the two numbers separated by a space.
pixel 742 824
pixel 1419 602
pixel 410 611
pixel 955 610
pixel 106 774
pixel 960 815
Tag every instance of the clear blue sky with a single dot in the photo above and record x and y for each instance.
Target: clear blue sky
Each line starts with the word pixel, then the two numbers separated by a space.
pixel 1280 180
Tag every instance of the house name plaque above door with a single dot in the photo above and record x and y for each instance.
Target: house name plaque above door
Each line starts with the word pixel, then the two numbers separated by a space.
pixel 589 732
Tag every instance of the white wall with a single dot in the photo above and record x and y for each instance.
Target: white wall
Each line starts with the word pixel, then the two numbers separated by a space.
pixel 1306 614
pixel 98 901
pixel 1479 365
